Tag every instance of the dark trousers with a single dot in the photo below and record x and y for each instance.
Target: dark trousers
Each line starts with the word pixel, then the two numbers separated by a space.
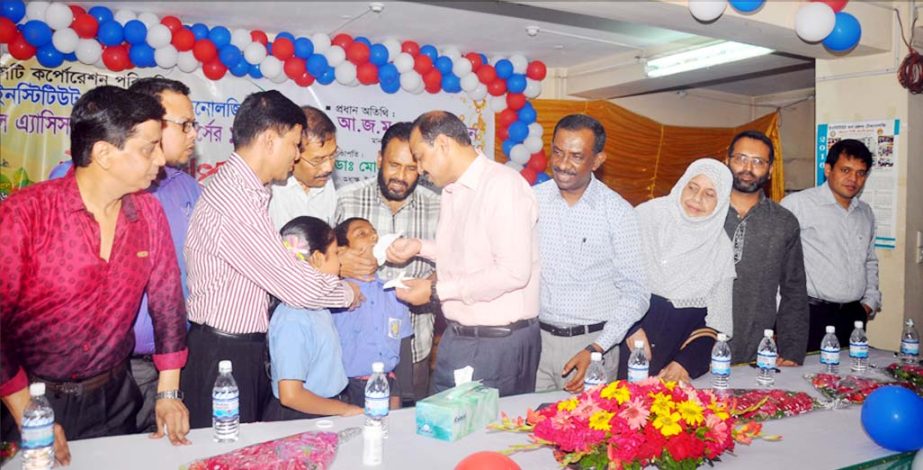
pixel 276 411
pixel 355 390
pixel 247 354
pixel 146 376
pixel 405 371
pixel 507 363
pixel 841 316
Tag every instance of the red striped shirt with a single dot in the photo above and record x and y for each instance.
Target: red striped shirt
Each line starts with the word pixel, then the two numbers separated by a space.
pixel 235 258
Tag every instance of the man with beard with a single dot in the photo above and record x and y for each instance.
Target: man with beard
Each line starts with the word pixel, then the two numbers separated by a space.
pixel 309 189
pixel 767 256
pixel 393 203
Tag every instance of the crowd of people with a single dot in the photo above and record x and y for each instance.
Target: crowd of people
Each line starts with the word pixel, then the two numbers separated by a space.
pixel 125 282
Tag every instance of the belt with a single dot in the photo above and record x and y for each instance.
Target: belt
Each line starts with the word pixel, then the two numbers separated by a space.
pixel 569 331
pixel 255 337
pixel 490 331
pixel 827 303
pixel 78 387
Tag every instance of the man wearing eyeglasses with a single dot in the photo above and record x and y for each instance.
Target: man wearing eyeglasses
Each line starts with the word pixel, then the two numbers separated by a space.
pixel 309 189
pixel 767 255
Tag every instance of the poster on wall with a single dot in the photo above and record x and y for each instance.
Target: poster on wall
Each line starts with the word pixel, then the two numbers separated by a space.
pixel 36 103
pixel 881 186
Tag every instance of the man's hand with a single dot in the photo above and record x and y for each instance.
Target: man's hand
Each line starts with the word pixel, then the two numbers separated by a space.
pixel 174 415
pixel 675 372
pixel 579 364
pixel 640 334
pixel 403 249
pixel 783 362
pixel 357 264
pixel 869 312
pixel 417 293
pixel 358 298
pixel 62 452
pixel 352 410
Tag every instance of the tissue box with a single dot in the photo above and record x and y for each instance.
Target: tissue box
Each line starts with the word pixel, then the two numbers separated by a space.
pixel 457 412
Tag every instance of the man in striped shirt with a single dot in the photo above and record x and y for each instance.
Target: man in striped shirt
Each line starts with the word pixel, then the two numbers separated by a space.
pixel 236 259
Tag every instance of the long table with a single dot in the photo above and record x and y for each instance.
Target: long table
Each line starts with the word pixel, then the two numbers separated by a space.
pixel 822 439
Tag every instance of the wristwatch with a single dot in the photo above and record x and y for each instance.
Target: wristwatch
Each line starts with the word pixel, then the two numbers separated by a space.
pixel 590 348
pixel 170 395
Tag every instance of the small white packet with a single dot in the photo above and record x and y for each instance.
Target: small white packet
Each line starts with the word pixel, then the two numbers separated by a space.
pixel 463 375
pixel 396 283
pixel 381 248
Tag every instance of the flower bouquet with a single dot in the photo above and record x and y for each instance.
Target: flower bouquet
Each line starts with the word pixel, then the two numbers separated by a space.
pixel 762 405
pixel 632 425
pixel 850 388
pixel 306 451
pixel 911 374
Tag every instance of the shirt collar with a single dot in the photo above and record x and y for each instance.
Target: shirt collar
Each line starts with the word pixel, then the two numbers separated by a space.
pixel 471 178
pixel 239 169
pixel 73 202
pixel 590 196
pixel 830 199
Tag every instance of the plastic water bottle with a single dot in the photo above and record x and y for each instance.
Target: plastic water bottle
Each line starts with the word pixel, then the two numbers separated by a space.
pixel 638 364
pixel 720 363
pixel 377 394
pixel 225 405
pixel 766 356
pixel 37 430
pixel 858 349
pixel 910 343
pixel 596 373
pixel 372 443
pixel 830 351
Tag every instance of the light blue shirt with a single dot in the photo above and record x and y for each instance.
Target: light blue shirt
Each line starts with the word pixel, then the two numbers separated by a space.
pixel 592 265
pixel 304 346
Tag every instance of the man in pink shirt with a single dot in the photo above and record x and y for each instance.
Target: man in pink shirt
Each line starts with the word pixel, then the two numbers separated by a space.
pixel 486 255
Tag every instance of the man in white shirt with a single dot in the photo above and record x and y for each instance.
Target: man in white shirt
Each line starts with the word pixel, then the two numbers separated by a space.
pixel 309 190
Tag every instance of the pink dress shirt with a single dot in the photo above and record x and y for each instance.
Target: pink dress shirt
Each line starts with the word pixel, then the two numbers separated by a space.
pixel 486 247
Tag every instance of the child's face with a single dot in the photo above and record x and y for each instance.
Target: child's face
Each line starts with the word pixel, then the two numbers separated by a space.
pixel 329 262
pixel 362 236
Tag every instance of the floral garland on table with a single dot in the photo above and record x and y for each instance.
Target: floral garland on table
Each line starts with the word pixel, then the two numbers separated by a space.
pixel 850 388
pixel 762 405
pixel 911 374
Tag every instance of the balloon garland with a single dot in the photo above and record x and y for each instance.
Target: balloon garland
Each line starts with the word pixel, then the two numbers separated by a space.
pixel 122 40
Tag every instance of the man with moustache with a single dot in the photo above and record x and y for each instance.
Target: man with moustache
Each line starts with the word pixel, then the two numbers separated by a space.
pixel 309 190
pixel 838 235
pixel 767 255
pixel 593 286
pixel 393 203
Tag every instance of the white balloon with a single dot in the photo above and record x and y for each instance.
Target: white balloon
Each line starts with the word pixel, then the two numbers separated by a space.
pixel 321 42
pixel 497 103
pixel 149 19
pixel 271 67
pixel 707 10
pixel 241 38
pixel 494 59
pixel 520 63
pixel 536 130
pixel 65 40
pixel 345 73
pixel 479 93
pixel 404 62
pixel 393 46
pixel 335 56
pixel 410 80
pixel 814 21
pixel 124 16
pixel 187 62
pixel 254 53
pixel 58 16
pixel 88 51
pixel 419 89
pixel 461 67
pixel 470 81
pixel 451 52
pixel 166 56
pixel 514 166
pixel 520 154
pixel 533 144
pixel 281 78
pixel 100 64
pixel 36 10
pixel 159 36
pixel 533 88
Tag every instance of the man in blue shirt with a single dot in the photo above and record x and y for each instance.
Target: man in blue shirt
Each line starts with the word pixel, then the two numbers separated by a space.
pixel 177 192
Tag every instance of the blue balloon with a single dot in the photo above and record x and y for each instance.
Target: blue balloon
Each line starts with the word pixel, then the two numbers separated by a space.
pixel 220 35
pixel 378 55
pixel 893 417
pixel 14 10
pixel 110 33
pixel 230 55
pixel 430 50
pixel 36 33
pixel 239 69
pixel 102 14
pixel 846 33
pixel 317 64
pixel 135 32
pixel 255 71
pixel 443 64
pixel 508 146
pixel 363 40
pixel 200 31
pixel 48 56
pixel 142 55
pixel 541 177
pixel 390 87
pixel 451 83
pixel 483 57
pixel 285 34
pixel 268 48
pixel 504 69
pixel 327 77
pixel 519 131
pixel 746 6
pixel 72 57
pixel 304 48
pixel 527 114
pixel 388 73
pixel 516 83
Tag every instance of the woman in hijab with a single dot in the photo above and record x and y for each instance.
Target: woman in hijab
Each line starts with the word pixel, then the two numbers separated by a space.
pixel 690 269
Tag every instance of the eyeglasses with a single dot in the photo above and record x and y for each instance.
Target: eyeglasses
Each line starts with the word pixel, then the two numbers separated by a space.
pixel 743 159
pixel 316 162
pixel 187 126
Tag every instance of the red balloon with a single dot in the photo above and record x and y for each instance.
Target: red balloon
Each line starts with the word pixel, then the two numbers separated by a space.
pixel 259 36
pixel 410 47
pixel 172 23
pixel 204 50
pixel 116 58
pixel 367 73
pixel 343 40
pixel 515 101
pixel 507 117
pixel 487 74
pixel 183 40
pixel 358 53
pixel 433 89
pixel 283 48
pixel 423 64
pixel 432 79
pixel 536 70
pixel 475 60
pixel 214 69
pixel 294 67
pixel 503 133
pixel 85 26
pixel 7 30
pixel 77 10
pixel 20 48
pixel 487 460
pixel 497 87
pixel 538 162
pixel 530 175
pixel 836 5
pixel 305 79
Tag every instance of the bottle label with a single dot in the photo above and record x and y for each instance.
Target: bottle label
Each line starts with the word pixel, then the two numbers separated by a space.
pixel 766 360
pixel 910 347
pixel 376 406
pixel 38 433
pixel 590 383
pixel 720 366
pixel 830 356
pixel 636 373
pixel 226 405
pixel 858 350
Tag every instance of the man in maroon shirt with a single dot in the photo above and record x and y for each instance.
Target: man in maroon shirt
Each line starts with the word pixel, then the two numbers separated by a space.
pixel 78 253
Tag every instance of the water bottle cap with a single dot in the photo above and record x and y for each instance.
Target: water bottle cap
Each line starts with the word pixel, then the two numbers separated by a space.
pixel 378 367
pixel 722 337
pixel 909 322
pixel 857 324
pixel 37 389
pixel 830 329
pixel 767 333
pixel 639 343
pixel 224 366
pixel 595 356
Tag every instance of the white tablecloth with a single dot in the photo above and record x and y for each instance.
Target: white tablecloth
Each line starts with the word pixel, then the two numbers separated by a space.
pixel 822 439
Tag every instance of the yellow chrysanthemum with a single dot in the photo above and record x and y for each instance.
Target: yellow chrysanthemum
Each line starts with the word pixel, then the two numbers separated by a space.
pixel 669 384
pixel 662 405
pixel 617 391
pixel 568 405
pixel 719 409
pixel 691 412
pixel 600 420
pixel 668 424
